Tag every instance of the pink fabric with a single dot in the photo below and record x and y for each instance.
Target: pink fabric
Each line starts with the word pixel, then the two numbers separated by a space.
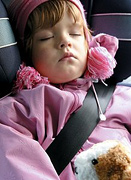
pixel 40 113
pixel 19 12
pixel 101 61
pixel 28 78
pixel 107 41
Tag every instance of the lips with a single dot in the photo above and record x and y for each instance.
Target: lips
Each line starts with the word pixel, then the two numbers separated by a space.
pixel 67 56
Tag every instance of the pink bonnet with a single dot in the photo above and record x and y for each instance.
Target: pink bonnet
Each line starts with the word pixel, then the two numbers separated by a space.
pixel 102 48
pixel 19 12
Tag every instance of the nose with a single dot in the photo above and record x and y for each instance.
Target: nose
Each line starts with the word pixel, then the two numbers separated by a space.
pixel 64 42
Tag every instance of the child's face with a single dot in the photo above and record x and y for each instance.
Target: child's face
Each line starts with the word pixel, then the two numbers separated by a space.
pixel 60 52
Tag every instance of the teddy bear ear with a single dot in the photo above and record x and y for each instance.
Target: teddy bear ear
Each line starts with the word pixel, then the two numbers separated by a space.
pixel 127 174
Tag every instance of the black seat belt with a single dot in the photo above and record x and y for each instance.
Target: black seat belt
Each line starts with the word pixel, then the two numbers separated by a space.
pixel 78 128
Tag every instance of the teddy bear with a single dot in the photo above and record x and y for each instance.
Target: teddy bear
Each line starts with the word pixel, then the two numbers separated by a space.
pixel 107 160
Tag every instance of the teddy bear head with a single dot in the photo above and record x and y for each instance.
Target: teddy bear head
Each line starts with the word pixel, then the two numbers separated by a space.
pixel 108 160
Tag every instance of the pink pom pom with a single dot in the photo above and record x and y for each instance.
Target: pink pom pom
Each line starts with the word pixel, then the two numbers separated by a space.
pixel 28 78
pixel 100 64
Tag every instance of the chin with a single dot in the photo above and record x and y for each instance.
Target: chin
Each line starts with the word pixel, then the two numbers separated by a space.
pixel 62 81
pixel 65 78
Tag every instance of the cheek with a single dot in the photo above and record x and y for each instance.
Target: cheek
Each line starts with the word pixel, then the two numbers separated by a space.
pixel 86 45
pixel 42 61
pixel 42 67
pixel 39 54
pixel 83 46
pixel 86 49
pixel 39 57
pixel 83 51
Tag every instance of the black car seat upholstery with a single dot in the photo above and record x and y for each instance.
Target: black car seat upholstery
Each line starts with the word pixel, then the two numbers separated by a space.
pixel 9 53
pixel 113 17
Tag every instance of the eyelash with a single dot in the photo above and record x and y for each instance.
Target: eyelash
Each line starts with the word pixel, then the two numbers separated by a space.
pixel 45 39
pixel 75 34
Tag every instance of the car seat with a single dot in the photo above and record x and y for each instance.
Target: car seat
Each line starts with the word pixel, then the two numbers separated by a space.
pixel 9 53
pixel 98 20
pixel 113 17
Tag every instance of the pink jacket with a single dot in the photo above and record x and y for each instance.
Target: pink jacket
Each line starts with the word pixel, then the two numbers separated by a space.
pixel 31 119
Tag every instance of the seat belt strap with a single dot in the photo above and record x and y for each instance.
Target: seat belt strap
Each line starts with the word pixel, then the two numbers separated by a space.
pixel 78 128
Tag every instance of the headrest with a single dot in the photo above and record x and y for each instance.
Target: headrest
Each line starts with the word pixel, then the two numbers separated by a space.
pixel 9 53
pixel 114 18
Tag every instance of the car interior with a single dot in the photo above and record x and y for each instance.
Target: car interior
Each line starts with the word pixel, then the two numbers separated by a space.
pixel 111 17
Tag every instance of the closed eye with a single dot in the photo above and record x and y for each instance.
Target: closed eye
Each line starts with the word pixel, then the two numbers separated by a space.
pixel 46 38
pixel 75 34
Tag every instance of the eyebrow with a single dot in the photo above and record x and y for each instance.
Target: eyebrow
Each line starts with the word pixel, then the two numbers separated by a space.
pixel 77 25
